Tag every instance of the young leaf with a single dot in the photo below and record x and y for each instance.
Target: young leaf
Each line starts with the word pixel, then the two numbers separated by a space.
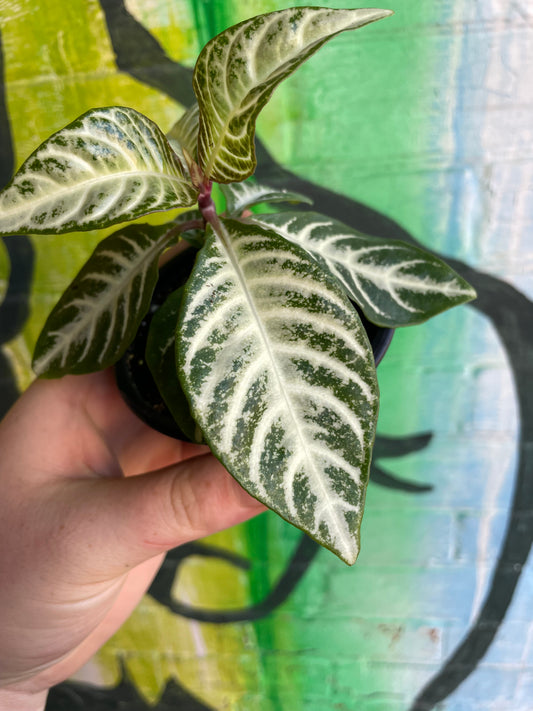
pixel 98 315
pixel 281 380
pixel 184 133
pixel 110 165
pixel 238 70
pixel 161 359
pixel 241 196
pixel 394 283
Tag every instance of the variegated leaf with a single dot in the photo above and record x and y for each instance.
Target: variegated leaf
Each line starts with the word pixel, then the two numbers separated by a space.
pixel 161 359
pixel 98 315
pixel 184 133
pixel 242 196
pixel 394 283
pixel 281 380
pixel 110 165
pixel 238 70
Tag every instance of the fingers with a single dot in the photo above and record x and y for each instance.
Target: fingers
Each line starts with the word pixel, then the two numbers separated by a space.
pixel 80 426
pixel 61 443
pixel 129 596
pixel 120 523
pixel 80 540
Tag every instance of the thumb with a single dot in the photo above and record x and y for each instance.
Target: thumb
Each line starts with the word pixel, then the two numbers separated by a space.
pixel 123 522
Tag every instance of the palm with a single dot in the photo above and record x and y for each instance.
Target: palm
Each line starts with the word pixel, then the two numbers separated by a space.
pixel 90 552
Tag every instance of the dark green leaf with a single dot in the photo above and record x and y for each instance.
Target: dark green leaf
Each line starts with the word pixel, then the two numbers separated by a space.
pixel 98 315
pixel 394 283
pixel 161 359
pixel 281 380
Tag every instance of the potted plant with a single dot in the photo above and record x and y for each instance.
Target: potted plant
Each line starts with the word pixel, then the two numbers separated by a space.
pixel 260 352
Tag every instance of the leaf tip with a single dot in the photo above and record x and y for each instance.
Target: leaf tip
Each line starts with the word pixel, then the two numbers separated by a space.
pixel 384 12
pixel 468 292
pixel 472 294
pixel 378 14
pixel 349 556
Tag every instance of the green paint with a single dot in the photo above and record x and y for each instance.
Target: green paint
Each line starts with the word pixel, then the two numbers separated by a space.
pixel 206 20
pixel 214 16
pixel 271 542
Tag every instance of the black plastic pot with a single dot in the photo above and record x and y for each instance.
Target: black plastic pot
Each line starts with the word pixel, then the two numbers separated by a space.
pixel 132 373
pixel 379 337
pixel 134 378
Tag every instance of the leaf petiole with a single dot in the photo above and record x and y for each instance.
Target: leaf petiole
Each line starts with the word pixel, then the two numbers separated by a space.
pixel 209 211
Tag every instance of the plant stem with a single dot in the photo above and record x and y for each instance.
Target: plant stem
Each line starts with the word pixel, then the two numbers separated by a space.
pixel 209 211
pixel 189 225
pixel 183 227
pixel 205 201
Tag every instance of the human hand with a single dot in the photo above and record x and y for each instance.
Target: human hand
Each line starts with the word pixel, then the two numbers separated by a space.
pixel 84 527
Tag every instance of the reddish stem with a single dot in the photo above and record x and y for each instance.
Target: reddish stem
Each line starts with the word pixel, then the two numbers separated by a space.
pixel 209 211
pixel 206 204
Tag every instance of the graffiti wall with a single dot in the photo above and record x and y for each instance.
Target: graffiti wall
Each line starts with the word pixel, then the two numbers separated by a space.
pixel 417 128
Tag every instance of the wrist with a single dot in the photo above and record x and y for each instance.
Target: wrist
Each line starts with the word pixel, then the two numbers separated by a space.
pixel 22 701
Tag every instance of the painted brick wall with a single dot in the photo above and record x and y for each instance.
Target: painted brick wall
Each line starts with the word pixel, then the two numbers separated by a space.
pixel 425 122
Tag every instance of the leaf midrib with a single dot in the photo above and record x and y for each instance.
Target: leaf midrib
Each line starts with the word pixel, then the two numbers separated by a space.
pixel 280 71
pixel 108 299
pixel 393 275
pixel 395 281
pixel 227 245
pixel 69 188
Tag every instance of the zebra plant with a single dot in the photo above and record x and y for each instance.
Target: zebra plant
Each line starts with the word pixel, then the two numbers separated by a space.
pixel 269 361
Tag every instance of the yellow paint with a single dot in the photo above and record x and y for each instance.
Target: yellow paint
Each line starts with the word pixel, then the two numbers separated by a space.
pixel 59 64
pixel 19 357
pixel 172 24
pixel 218 664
